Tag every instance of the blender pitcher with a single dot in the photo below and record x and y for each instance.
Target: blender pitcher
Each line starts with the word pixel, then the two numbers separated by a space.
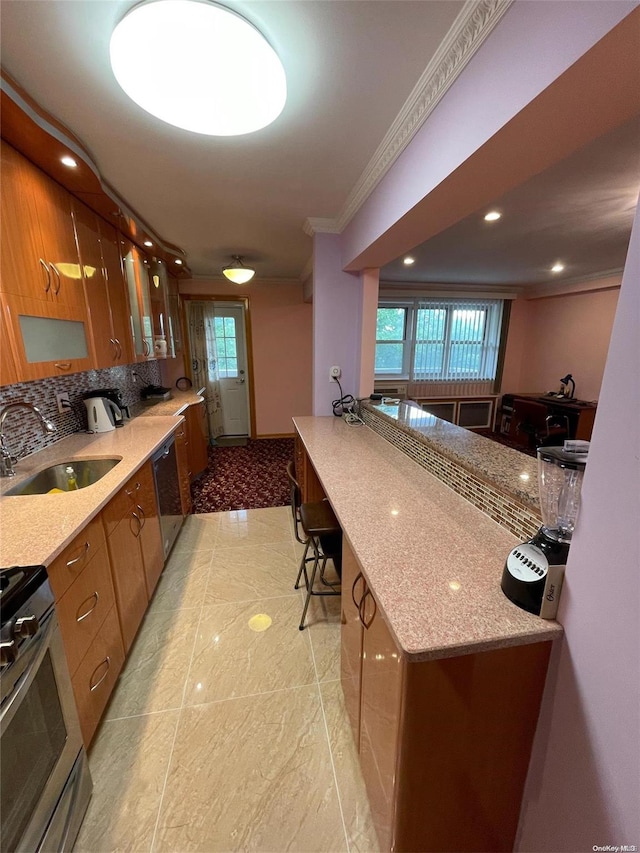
pixel 534 571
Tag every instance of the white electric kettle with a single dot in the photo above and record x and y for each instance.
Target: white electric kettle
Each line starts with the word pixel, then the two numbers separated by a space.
pixel 102 414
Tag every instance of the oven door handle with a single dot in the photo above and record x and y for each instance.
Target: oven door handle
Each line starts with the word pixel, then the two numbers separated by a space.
pixel 37 649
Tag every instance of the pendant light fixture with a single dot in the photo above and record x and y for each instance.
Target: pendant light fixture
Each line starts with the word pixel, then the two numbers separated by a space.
pixel 198 66
pixel 237 272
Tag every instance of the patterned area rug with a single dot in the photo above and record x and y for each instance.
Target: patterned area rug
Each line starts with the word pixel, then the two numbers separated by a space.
pixel 251 477
pixel 501 439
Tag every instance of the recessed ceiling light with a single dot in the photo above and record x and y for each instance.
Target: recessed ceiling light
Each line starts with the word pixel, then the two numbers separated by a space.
pixel 68 161
pixel 223 78
pixel 408 261
pixel 492 216
pixel 148 243
pixel 179 262
pixel 557 267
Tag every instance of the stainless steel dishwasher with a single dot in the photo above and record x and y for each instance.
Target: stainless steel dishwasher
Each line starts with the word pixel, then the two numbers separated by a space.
pixel 165 472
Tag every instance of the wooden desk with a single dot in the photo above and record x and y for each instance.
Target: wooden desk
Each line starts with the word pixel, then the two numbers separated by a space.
pixel 580 413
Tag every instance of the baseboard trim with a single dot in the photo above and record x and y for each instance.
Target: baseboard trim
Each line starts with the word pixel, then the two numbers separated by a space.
pixel 276 435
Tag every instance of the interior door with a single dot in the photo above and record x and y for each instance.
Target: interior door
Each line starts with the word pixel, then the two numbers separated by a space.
pixel 231 351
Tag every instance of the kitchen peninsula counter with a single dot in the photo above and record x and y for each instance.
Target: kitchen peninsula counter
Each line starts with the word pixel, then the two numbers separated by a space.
pixel 34 529
pixel 512 472
pixel 432 560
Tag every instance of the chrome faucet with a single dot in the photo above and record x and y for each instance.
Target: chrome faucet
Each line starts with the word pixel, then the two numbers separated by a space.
pixel 7 459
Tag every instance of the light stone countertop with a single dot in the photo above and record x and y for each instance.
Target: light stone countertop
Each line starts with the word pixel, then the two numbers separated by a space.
pixel 34 529
pixel 433 561
pixel 510 471
pixel 179 401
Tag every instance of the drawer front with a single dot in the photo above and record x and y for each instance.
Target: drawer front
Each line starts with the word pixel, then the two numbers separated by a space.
pixel 125 501
pixel 84 607
pixel 64 570
pixel 96 676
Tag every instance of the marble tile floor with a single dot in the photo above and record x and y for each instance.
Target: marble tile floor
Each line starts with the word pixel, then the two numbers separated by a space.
pixel 227 730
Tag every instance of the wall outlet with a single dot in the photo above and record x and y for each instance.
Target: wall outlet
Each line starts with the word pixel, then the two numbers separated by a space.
pixel 334 372
pixel 64 404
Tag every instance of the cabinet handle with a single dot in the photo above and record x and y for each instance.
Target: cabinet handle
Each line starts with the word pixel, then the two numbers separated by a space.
pixel 63 365
pixel 56 290
pixel 91 609
pixel 368 624
pixel 119 345
pixel 137 518
pixel 47 286
pixel 107 660
pixel 130 492
pixel 142 513
pixel 113 343
pixel 82 556
pixel 359 577
pixel 145 348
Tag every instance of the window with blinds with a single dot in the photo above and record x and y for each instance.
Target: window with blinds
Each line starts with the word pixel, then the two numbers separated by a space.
pixel 440 340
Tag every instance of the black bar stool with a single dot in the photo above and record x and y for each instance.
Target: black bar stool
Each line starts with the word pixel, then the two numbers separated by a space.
pixel 322 536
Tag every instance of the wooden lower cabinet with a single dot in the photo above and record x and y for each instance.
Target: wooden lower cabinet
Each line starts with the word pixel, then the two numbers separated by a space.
pixel 184 471
pixel 95 678
pixel 128 577
pixel 80 578
pixel 198 447
pixel 444 744
pixel 150 535
pixel 132 525
pixel 102 582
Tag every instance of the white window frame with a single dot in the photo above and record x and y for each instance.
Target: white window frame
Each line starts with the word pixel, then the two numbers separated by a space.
pixel 409 342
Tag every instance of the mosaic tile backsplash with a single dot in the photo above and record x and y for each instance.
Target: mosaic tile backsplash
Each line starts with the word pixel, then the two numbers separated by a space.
pixel 21 429
pixel 502 508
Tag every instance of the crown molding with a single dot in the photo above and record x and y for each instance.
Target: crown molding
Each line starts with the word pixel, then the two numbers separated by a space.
pixel 605 280
pixel 468 32
pixel 317 225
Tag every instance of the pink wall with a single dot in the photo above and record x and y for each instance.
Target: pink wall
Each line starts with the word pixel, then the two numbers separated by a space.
pixel 281 326
pixel 583 787
pixel 553 336
pixel 337 323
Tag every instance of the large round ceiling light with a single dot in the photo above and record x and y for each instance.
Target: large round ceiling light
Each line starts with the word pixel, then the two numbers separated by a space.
pixel 198 66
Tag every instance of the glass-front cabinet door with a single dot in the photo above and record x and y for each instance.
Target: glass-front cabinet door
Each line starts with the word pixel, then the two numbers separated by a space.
pixel 137 275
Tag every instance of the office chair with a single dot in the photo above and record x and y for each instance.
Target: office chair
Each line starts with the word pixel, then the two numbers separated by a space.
pixel 541 428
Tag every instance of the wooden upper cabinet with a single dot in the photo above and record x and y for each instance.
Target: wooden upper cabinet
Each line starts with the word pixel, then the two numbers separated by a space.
pixel 24 269
pixel 8 373
pixel 104 289
pixel 51 205
pixel 86 225
pixel 137 278
pixel 118 300
pixel 44 305
pixel 174 339
pixel 159 308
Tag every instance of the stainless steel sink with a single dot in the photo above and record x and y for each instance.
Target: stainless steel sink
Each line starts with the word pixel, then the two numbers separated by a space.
pixel 87 472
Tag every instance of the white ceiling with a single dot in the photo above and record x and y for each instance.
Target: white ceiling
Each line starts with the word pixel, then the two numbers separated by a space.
pixel 351 65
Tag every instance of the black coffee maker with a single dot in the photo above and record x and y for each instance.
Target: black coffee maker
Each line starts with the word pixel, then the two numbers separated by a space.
pixel 115 395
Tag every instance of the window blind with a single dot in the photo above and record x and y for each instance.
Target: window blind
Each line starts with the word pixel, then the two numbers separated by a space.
pixel 456 339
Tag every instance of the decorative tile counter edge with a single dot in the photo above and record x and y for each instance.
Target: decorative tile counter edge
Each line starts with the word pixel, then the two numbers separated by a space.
pixel 510 513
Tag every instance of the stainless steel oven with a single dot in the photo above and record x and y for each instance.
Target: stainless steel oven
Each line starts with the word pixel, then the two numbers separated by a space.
pixel 45 784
